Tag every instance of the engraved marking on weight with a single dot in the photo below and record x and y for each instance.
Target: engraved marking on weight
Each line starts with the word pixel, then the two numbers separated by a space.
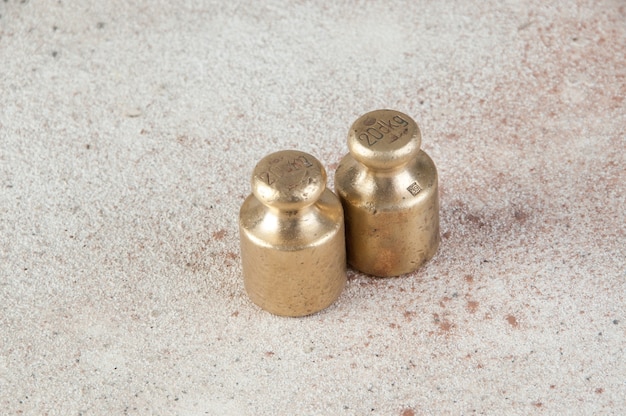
pixel 265 177
pixel 365 137
pixel 277 171
pixel 414 189
pixel 378 129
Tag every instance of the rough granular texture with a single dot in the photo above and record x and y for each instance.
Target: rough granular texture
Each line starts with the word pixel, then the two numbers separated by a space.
pixel 129 130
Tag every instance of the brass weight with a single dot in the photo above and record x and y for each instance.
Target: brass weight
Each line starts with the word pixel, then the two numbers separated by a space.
pixel 292 236
pixel 389 191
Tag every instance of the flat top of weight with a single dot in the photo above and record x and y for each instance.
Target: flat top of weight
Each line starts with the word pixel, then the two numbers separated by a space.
pixel 384 139
pixel 288 179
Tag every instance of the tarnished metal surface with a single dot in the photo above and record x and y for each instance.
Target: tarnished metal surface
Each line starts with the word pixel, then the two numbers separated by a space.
pixel 292 236
pixel 389 191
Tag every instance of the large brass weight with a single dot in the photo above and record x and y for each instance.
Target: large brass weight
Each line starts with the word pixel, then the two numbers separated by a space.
pixel 389 191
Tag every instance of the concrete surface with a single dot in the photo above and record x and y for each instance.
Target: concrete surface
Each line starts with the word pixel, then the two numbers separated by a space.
pixel 128 131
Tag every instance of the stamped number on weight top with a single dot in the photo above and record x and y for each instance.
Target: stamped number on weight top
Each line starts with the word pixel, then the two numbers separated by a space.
pixel 377 130
pixel 277 170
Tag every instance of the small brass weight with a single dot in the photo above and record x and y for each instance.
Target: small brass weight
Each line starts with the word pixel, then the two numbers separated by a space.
pixel 389 191
pixel 292 236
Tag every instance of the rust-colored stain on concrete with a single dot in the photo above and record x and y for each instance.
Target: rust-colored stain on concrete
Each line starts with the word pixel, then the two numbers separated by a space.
pixel 219 235
pixel 512 320
pixel 472 306
pixel 409 315
pixel 446 326
pixel 521 216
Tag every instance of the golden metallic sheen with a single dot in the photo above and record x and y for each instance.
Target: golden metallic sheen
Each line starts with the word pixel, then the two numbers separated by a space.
pixel 389 191
pixel 292 236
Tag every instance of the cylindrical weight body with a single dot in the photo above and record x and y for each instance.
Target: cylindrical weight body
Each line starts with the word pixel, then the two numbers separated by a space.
pixel 292 236
pixel 389 191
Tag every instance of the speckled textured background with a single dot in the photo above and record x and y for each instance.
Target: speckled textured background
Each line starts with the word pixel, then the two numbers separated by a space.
pixel 128 131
